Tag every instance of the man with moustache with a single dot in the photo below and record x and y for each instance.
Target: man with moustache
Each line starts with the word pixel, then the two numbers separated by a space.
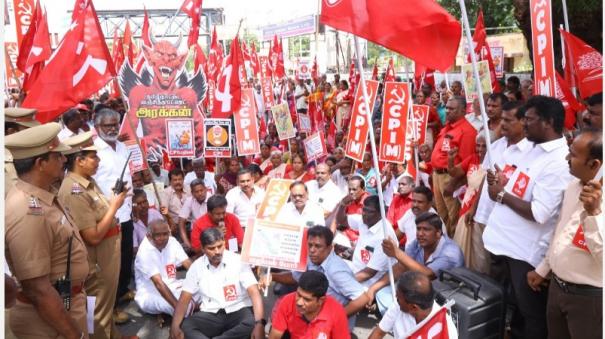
pixel 199 172
pixel 174 196
pixel 422 201
pixel 323 190
pixel 593 117
pixel 402 201
pixel 299 209
pixel 244 199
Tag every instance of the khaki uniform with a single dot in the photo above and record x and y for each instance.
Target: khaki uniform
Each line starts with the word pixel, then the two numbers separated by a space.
pixel 37 238
pixel 87 204
pixel 10 174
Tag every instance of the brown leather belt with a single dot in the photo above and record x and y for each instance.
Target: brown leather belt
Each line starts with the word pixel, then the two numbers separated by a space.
pixel 74 290
pixel 112 231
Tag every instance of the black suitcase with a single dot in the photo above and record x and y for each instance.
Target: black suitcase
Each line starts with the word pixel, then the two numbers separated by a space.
pixel 479 309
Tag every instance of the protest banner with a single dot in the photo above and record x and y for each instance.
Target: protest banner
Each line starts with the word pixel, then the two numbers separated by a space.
pixel 542 47
pixel 246 128
pixel 24 14
pixel 266 83
pixel 420 121
pixel 498 57
pixel 218 138
pixel 137 161
pixel 303 70
pixel 276 196
pixel 10 62
pixel 155 95
pixel 394 122
pixel 180 135
pixel 470 87
pixel 315 146
pixel 283 121
pixel 357 137
pixel 275 245
pixel 304 123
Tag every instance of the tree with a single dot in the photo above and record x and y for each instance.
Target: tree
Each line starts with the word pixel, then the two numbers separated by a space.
pixel 496 13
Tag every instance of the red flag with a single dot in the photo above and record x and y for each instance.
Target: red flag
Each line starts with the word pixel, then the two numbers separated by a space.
pixel 352 78
pixel 375 72
pixel 39 51
pixel 215 57
pixel 482 50
pixel 227 98
pixel 146 40
pixel 166 163
pixel 200 58
pixel 434 328
pixel 254 62
pixel 390 74
pixel 193 8
pixel 423 75
pixel 403 26
pixel 28 39
pixel 117 55
pixel 79 6
pixel 79 67
pixel 129 43
pixel 263 127
pixel 332 135
pixel 587 64
pixel 571 105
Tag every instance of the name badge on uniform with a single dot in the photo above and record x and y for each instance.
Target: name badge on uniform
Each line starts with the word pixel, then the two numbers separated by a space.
pixel 171 271
pixel 34 207
pixel 230 292
pixel 579 241
pixel 76 189
pixel 521 185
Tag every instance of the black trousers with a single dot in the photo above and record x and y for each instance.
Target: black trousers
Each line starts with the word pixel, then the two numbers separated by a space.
pixel 126 259
pixel 529 317
pixel 235 325
pixel 573 316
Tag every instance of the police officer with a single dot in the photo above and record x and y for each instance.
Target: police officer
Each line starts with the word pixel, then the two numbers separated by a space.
pixel 15 120
pixel 95 218
pixel 38 233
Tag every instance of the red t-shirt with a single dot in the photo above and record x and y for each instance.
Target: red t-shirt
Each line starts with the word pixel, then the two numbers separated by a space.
pixel 460 134
pixel 232 225
pixel 330 323
pixel 399 205
pixel 356 206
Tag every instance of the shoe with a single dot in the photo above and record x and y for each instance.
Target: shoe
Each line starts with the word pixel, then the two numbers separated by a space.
pixel 128 296
pixel 120 317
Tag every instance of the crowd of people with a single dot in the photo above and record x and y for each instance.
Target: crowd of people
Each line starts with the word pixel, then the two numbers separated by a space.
pixel 520 203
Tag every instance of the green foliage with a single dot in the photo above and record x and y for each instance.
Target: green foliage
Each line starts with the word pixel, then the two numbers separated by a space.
pixel 299 46
pixel 496 13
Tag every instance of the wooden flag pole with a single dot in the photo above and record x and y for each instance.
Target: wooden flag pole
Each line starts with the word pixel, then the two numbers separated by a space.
pixel 366 99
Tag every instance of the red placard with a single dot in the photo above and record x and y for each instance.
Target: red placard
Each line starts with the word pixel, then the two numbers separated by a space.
pixel 421 116
pixel 246 130
pixel 266 83
pixel 521 185
pixel 394 122
pixel 358 132
pixel 315 146
pixel 24 13
pixel 542 47
pixel 13 53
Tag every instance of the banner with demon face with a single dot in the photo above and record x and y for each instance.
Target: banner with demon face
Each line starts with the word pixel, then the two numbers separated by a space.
pixel 162 90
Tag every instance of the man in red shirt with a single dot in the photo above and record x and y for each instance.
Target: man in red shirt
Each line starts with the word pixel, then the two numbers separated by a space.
pixel 457 133
pixel 402 201
pixel 309 312
pixel 348 211
pixel 217 217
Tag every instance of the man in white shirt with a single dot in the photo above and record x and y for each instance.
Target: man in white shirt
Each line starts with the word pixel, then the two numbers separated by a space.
pixel 341 173
pixel 155 266
pixel 301 92
pixel 323 190
pixel 243 200
pixel 231 304
pixel 520 226
pixel 300 210
pixel 415 303
pixel 422 201
pixel 174 196
pixel 113 154
pixel 72 124
pixel 158 173
pixel 199 172
pixel 193 208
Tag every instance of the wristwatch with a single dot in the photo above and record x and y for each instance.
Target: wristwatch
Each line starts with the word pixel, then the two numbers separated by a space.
pixel 500 196
pixel 260 321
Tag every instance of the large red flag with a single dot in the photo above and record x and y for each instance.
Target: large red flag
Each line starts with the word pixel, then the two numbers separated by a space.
pixel 434 328
pixel 79 67
pixel 146 41
pixel 482 50
pixel 227 98
pixel 79 6
pixel 200 59
pixel 254 63
pixel 390 73
pixel 404 26
pixel 587 64
pixel 28 39
pixel 193 8
pixel 117 56
pixel 129 43
pixel 39 51
pixel 215 57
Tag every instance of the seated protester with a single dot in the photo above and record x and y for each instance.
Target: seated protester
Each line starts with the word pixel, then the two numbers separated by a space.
pixel 430 253
pixel 348 211
pixel 260 179
pixel 309 312
pixel 415 303
pixel 341 172
pixel 278 168
pixel 142 216
pixel 138 182
pixel 298 171
pixel 231 305
pixel 368 173
pixel 226 222
pixel 174 197
pixel 194 207
pixel 227 180
pixel 299 209
pixel 244 199
pixel 155 266
pixel 369 261
pixel 390 175
pixel 343 287
pixel 323 190
pixel 422 201
pixel 200 172
pixel 402 199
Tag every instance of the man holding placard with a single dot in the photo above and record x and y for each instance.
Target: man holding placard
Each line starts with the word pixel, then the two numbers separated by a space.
pixel 300 209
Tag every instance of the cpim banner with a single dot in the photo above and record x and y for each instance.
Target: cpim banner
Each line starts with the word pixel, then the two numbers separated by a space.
pixel 394 122
pixel 542 47
pixel 246 128
pixel 357 137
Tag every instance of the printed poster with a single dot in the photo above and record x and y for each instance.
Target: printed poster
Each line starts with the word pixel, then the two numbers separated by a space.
pixel 470 88
pixel 218 138
pixel 283 121
pixel 498 59
pixel 315 146
pixel 180 138
pixel 304 123
pixel 137 161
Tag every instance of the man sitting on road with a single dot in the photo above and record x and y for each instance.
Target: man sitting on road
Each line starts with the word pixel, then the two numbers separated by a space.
pixel 194 207
pixel 219 218
pixel 300 210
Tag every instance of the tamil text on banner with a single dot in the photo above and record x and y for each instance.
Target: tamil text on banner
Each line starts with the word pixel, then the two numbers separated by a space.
pixel 470 86
pixel 218 138
pixel 357 137
pixel 498 57
pixel 246 129
pixel 394 122
pixel 315 146
pixel 180 135
pixel 283 121
pixel 166 91
pixel 304 123
pixel 24 13
pixel 137 161
pixel 13 53
pixel 271 244
pixel 276 196
pixel 542 47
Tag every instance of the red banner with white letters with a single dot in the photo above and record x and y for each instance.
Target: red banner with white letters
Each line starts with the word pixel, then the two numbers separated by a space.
pixel 421 117
pixel 24 14
pixel 394 122
pixel 246 131
pixel 542 47
pixel 266 83
pixel 359 128
pixel 13 53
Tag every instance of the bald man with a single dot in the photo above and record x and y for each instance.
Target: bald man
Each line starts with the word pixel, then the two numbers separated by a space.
pixel 323 190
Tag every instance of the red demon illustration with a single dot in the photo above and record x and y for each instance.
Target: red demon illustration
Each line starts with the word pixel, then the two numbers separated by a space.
pixel 163 90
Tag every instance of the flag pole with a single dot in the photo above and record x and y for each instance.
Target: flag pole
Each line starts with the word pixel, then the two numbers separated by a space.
pixel 374 154
pixel 171 20
pixel 469 39
pixel 565 17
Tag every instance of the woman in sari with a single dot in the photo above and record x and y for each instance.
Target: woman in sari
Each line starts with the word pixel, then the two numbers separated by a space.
pixel 328 101
pixel 298 172
pixel 343 105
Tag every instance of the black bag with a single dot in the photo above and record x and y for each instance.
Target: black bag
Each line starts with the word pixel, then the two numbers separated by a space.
pixel 479 309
